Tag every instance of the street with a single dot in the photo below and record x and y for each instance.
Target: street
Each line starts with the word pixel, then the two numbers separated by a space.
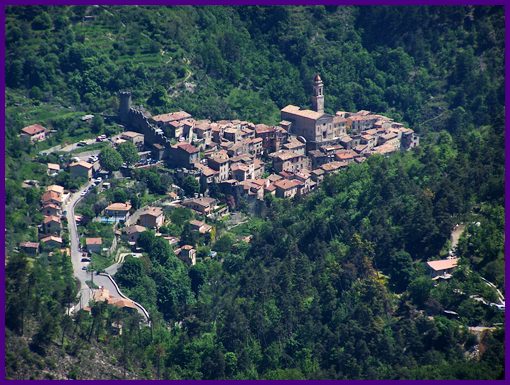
pixel 76 255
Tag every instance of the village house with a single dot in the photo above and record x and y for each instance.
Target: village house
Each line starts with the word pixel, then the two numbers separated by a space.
pixel 289 161
pixel 286 188
pixel 204 206
pixel 53 169
pixel 118 211
pixel 253 188
pixel 94 245
pixel 221 164
pixel 183 155
pixel 56 188
pixel 52 225
pixel 442 268
pixel 332 167
pixel 81 169
pixel 51 197
pixel 132 233
pixel 29 248
pixel 34 133
pixel 172 122
pixel 134 137
pixel 200 226
pixel 187 254
pixel 51 209
pixel 346 156
pixel 241 171
pixel 295 146
pixel 51 241
pixel 152 217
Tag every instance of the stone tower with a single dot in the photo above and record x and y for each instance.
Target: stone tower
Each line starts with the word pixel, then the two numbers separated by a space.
pixel 125 105
pixel 318 94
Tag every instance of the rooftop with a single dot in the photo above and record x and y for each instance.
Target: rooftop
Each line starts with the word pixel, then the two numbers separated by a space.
pixel 189 148
pixel 34 129
pixel 286 184
pixel 307 114
pixel 93 241
pixel 443 264
pixel 119 207
pixel 172 116
pixel 81 163
pixel 29 245
pixel 152 211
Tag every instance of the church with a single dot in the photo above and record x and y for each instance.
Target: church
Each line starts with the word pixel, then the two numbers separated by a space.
pixel 315 127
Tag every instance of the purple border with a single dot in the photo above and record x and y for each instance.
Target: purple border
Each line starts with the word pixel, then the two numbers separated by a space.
pixel 2 191
pixel 256 2
pixel 250 2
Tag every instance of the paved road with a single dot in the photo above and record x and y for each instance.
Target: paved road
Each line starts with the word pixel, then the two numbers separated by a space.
pixel 68 148
pixel 76 255
pixel 100 280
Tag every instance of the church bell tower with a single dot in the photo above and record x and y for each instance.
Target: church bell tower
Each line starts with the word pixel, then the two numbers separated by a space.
pixel 318 94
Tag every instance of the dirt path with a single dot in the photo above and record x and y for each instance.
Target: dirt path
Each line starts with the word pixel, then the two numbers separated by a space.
pixel 455 236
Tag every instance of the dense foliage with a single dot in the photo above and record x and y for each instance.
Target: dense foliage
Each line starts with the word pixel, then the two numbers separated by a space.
pixel 333 285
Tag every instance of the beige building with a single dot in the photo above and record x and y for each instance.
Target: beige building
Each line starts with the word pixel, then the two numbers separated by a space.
pixel 152 217
pixel 81 169
pixel 34 133
pixel 134 137
pixel 118 211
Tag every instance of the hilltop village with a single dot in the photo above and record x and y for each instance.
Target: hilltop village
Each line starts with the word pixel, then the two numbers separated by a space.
pixel 233 163
pixel 237 160
pixel 244 159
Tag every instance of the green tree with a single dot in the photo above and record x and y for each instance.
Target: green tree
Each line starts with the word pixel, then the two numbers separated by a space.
pixel 110 159
pixel 190 186
pixel 129 153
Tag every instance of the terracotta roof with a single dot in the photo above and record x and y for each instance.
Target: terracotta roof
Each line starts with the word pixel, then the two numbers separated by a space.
pixel 119 207
pixel 81 163
pixel 345 154
pixel 51 218
pixel 50 206
pixel 307 114
pixel 131 134
pixel 187 247
pixel 172 116
pixel 263 128
pixel 121 302
pixel 205 201
pixel 29 245
pixel 133 229
pixel 51 238
pixel 53 166
pixel 443 264
pixel 293 144
pixel 34 129
pixel 333 166
pixel 189 148
pixel 93 241
pixel 286 184
pixel 152 211
pixel 207 171
pixel 51 195
pixel 284 155
pixel 240 167
pixel 56 188
pixel 274 177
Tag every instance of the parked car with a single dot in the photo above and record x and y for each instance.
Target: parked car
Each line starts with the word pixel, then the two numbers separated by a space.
pixel 85 259
pixel 81 144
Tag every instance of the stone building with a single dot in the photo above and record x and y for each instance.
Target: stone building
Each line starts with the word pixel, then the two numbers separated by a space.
pixel 315 126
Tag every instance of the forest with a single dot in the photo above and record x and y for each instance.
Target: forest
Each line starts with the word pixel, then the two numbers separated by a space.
pixel 332 285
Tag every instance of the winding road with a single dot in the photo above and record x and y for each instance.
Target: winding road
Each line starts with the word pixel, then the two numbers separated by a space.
pixel 103 280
